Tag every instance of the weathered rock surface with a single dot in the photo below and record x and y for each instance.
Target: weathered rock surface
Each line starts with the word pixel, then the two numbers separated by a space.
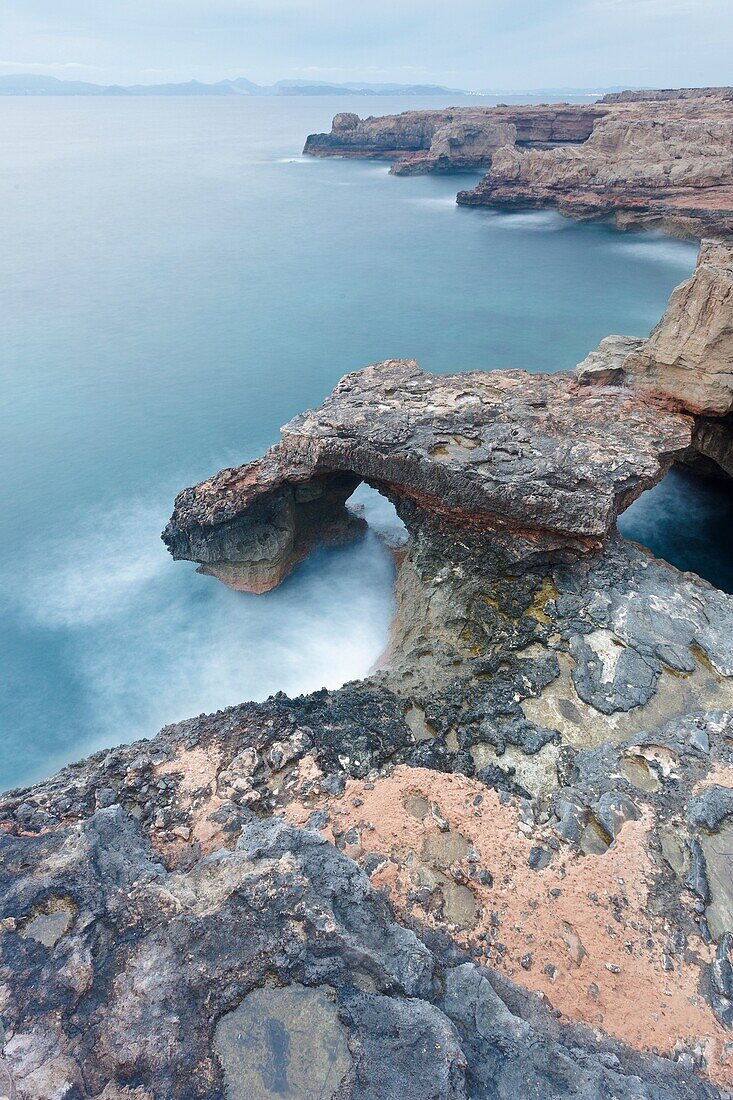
pixel 542 464
pixel 687 361
pixel 689 355
pixel 523 784
pixel 147 893
pixel 648 95
pixel 275 969
pixel 661 165
pixel 501 865
pixel 464 137
pixel 285 519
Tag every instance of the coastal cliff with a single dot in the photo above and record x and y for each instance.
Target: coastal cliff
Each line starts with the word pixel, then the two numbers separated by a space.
pixel 463 137
pixel 645 159
pixel 500 865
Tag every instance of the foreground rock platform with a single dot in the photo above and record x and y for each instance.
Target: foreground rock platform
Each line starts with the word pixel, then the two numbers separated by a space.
pixel 653 159
pixel 465 864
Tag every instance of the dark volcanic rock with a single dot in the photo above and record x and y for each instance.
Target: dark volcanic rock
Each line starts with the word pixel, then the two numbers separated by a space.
pixel 284 914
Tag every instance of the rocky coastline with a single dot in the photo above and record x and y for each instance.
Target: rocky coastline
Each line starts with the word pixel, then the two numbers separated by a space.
pixel 644 159
pixel 498 866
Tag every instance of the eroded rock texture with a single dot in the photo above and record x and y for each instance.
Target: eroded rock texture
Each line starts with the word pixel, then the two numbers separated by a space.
pixel 687 360
pixel 464 137
pixel 663 165
pixel 689 355
pixel 645 158
pixel 540 463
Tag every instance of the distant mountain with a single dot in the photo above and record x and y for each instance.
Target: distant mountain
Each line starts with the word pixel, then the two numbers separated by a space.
pixel 30 84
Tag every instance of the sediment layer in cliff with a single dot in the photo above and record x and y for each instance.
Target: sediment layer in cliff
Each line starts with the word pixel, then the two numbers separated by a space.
pixel 462 137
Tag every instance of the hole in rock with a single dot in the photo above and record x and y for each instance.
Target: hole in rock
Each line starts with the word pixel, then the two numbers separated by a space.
pixel 381 516
pixel 283 1043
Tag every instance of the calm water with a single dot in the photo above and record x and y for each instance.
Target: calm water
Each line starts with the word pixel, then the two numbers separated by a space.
pixel 175 283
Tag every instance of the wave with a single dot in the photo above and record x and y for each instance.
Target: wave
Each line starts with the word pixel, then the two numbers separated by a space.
pixel 661 250
pixel 542 221
pixel 442 202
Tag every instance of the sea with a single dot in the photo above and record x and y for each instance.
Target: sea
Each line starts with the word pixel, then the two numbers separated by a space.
pixel 176 282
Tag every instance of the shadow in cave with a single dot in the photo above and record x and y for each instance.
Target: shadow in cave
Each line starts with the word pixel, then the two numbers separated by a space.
pixel 687 520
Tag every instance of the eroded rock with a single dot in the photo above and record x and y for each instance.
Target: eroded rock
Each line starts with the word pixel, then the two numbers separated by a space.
pixel 535 462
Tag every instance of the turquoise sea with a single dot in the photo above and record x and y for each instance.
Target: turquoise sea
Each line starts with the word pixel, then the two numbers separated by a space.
pixel 176 281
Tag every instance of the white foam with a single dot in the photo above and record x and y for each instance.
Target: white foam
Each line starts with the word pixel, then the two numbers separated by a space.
pixel 96 571
pixel 661 250
pixel 541 221
pixel 443 202
pixel 153 642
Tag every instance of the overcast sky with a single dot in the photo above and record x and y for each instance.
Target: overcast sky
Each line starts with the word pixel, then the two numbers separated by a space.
pixel 503 44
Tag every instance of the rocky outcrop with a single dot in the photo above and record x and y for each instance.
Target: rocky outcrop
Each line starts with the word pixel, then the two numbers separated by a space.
pixel 689 355
pixel 463 137
pixel 661 166
pixel 661 95
pixel 285 519
pixel 484 850
pixel 274 968
pixel 687 361
pixel 536 462
pixel 498 866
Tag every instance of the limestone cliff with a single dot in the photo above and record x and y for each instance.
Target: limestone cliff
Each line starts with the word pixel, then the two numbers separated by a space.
pixel 689 355
pixel 687 361
pixel 660 159
pixel 663 166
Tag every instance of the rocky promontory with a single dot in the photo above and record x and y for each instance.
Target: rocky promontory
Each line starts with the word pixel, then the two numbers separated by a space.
pixel 461 137
pixel 661 159
pixel 498 866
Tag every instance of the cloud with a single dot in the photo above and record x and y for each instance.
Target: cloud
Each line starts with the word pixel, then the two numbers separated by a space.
pixel 476 43
pixel 46 67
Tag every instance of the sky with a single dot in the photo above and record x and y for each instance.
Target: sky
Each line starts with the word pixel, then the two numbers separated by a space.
pixel 497 44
